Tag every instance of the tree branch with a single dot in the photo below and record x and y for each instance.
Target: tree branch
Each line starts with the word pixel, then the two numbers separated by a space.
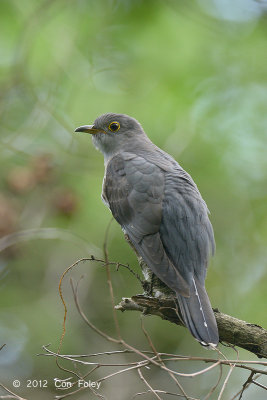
pixel 231 330
pixel 159 300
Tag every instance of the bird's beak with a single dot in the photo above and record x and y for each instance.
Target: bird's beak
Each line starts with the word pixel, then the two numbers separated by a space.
pixel 88 129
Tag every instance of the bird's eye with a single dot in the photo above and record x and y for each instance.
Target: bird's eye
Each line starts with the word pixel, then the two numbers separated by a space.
pixel 114 126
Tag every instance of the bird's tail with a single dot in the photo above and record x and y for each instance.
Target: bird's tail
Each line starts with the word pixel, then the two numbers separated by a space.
pixel 198 316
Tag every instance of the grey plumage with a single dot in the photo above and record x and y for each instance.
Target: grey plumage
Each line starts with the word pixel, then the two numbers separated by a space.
pixel 160 208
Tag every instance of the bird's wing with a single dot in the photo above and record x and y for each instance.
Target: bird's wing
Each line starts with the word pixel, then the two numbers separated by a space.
pixel 187 237
pixel 134 190
pixel 185 229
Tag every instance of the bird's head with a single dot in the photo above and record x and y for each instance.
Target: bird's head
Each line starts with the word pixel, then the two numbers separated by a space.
pixel 112 133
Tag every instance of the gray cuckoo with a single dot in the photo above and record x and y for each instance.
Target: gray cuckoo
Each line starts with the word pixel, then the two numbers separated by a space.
pixel 159 207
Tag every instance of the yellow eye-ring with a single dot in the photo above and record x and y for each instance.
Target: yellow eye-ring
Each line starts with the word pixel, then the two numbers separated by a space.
pixel 114 126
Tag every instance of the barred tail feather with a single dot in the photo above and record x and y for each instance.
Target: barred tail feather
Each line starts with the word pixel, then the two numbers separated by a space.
pixel 198 316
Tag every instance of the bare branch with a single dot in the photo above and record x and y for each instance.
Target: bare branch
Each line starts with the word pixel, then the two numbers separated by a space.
pixel 159 300
pixel 225 381
pixel 231 330
pixel 11 395
pixel 147 384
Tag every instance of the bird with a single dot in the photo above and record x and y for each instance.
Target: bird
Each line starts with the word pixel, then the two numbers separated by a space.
pixel 160 209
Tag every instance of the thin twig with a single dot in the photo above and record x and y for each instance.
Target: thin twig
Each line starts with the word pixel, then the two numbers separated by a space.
pixel 15 396
pixel 105 249
pixel 225 381
pixel 246 384
pixel 214 387
pixel 177 357
pixel 163 392
pixel 160 359
pixel 259 384
pixel 92 326
pixel 122 371
pixel 147 384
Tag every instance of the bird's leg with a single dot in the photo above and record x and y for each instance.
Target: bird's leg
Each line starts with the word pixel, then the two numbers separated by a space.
pixel 153 278
pixel 149 277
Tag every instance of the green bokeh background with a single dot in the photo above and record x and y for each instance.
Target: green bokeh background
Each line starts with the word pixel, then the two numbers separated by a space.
pixel 194 73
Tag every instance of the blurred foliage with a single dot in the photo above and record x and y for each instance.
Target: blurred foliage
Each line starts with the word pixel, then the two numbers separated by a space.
pixel 194 74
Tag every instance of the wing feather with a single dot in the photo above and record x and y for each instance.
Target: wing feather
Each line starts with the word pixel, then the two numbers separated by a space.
pixel 135 198
pixel 185 230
